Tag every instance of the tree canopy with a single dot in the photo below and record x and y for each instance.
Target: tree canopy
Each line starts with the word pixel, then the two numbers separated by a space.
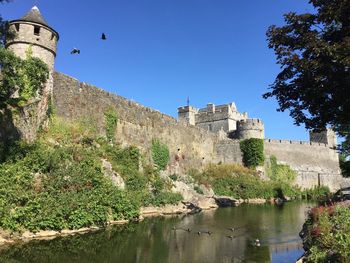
pixel 313 50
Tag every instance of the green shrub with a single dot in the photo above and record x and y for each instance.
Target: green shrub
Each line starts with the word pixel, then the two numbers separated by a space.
pixel 160 154
pixel 280 173
pixel 124 161
pixel 253 152
pixel 68 191
pixel 319 193
pixel 111 120
pixel 243 187
pixel 164 198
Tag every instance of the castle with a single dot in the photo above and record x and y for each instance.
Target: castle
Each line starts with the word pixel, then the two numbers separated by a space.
pixel 208 135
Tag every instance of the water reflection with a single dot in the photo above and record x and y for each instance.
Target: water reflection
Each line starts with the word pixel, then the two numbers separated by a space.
pixel 154 240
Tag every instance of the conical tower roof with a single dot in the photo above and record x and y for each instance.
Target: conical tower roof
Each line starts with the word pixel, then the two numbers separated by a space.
pixel 35 16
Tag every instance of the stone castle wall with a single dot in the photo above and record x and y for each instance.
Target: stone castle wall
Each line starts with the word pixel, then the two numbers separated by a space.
pixel 137 125
pixel 315 163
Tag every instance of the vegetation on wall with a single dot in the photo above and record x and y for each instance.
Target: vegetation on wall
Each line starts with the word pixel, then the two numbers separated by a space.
pixel 243 183
pixel 160 154
pixel 253 152
pixel 25 76
pixel 111 120
pixel 280 172
pixel 58 181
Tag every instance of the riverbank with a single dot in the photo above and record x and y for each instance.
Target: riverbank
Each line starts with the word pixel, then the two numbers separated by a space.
pixel 163 239
pixel 8 237
pixel 183 208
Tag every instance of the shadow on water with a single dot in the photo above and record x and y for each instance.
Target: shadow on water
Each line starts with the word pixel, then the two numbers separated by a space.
pixel 231 239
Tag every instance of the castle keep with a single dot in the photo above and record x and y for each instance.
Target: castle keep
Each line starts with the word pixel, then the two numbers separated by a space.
pixel 223 118
pixel 208 135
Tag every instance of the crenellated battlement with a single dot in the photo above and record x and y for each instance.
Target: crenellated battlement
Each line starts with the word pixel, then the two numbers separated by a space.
pixel 316 144
pixel 250 128
pixel 253 123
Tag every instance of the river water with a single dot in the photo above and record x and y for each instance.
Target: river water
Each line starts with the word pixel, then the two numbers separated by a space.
pixel 155 240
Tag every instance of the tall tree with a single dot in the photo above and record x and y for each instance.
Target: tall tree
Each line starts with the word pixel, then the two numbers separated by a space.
pixel 313 50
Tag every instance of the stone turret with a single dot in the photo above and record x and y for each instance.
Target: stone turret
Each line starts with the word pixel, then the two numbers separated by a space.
pixel 326 136
pixel 187 114
pixel 33 32
pixel 250 128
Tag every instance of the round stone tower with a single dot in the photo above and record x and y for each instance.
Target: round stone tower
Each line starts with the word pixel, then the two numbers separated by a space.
pixel 250 128
pixel 33 32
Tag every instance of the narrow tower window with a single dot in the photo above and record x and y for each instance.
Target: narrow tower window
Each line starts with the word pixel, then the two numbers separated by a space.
pixel 17 27
pixel 36 30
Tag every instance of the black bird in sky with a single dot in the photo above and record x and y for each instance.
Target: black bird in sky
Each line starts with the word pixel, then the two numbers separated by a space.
pixel 103 37
pixel 75 51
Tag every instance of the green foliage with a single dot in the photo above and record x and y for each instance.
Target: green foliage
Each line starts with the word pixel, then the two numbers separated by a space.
pixel 244 183
pixel 164 198
pixel 253 152
pixel 56 188
pixel 198 189
pixel 320 193
pixel 111 120
pixel 57 182
pixel 213 172
pixel 280 173
pixel 160 154
pixel 243 187
pixel 27 76
pixel 328 234
pixel 313 51
pixel 124 160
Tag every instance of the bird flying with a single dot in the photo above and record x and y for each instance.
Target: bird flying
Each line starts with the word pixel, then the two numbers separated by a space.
pixel 103 37
pixel 75 51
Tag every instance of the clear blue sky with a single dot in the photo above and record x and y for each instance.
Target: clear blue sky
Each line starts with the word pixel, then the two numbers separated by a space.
pixel 159 52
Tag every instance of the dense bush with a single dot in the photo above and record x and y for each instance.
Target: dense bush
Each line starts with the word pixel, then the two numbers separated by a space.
pixel 241 182
pixel 321 193
pixel 328 234
pixel 56 188
pixel 253 152
pixel 243 187
pixel 281 173
pixel 57 182
pixel 160 154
